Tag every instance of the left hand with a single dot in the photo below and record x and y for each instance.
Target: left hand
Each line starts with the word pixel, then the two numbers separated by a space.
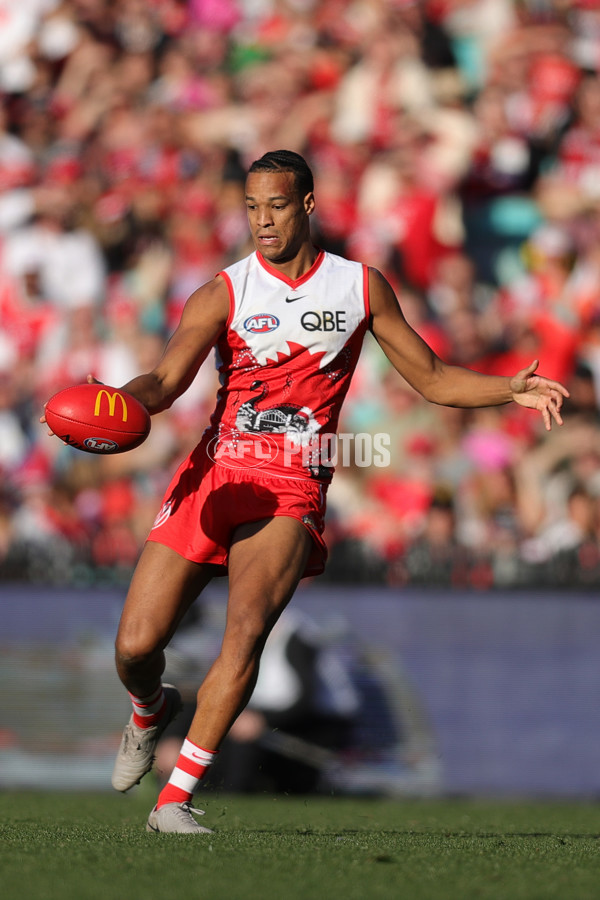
pixel 537 392
pixel 90 380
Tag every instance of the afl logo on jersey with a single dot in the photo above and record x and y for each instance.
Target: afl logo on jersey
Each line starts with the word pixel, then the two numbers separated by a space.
pixel 261 323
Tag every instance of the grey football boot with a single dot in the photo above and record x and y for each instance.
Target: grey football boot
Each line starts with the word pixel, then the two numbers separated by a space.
pixel 136 753
pixel 176 818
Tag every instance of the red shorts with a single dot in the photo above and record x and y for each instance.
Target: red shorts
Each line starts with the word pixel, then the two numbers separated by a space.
pixel 205 503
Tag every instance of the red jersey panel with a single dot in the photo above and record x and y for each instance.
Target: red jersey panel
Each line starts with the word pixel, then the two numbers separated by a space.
pixel 285 363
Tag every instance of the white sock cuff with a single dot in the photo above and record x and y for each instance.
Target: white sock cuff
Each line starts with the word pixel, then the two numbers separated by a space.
pixel 152 698
pixel 148 706
pixel 197 754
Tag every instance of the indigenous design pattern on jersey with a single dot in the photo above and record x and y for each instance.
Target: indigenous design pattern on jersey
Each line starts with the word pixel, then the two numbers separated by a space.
pixel 285 363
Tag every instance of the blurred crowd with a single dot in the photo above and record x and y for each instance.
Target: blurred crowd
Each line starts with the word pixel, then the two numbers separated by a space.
pixel 455 145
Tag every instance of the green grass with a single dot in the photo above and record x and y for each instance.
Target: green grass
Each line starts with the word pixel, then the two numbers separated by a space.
pixel 95 847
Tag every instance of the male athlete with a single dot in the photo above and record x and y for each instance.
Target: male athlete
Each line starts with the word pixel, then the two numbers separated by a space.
pixel 287 323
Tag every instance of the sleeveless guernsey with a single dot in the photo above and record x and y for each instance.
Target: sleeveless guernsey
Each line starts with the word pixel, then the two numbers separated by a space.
pixel 285 362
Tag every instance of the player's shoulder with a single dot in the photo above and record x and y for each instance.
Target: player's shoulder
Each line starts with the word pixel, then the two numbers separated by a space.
pixel 378 281
pixel 241 265
pixel 335 261
pixel 382 296
pixel 376 276
pixel 213 289
pixel 210 300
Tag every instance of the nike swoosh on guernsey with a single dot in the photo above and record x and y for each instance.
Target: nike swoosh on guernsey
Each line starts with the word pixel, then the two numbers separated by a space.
pixel 291 299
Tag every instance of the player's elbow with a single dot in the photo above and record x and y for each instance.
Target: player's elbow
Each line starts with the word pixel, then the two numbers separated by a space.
pixel 165 390
pixel 433 385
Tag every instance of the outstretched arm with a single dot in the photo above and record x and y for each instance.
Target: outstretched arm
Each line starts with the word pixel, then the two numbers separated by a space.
pixel 453 385
pixel 203 319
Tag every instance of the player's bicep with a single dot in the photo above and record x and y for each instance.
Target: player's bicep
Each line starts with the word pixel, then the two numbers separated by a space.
pixel 202 321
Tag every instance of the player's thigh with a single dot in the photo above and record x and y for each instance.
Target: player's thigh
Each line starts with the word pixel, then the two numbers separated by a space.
pixel 163 587
pixel 266 561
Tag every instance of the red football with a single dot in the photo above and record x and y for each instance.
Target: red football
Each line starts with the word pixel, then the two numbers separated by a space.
pixel 97 418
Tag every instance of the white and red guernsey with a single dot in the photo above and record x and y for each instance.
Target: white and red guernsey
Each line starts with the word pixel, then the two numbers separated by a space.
pixel 285 360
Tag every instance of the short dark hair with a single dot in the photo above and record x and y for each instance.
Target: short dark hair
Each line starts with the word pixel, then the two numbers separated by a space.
pixel 287 161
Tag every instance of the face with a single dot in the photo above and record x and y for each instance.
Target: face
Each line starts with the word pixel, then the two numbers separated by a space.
pixel 277 215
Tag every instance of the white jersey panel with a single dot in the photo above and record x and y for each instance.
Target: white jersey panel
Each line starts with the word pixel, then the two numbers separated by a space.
pixel 320 313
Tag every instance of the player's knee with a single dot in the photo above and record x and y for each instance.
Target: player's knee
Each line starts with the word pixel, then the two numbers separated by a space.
pixel 135 650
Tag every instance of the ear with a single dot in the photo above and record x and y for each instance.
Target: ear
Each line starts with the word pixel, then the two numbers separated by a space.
pixel 309 203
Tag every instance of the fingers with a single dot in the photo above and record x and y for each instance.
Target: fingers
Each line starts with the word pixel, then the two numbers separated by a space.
pixel 547 419
pixel 44 422
pixel 555 415
pixel 530 368
pixel 557 395
pixel 556 386
pixel 551 410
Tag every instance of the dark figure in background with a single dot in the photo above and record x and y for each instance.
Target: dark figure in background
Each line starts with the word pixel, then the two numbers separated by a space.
pixel 302 712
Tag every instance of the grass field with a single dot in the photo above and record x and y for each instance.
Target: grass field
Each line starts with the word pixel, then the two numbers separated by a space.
pixel 95 847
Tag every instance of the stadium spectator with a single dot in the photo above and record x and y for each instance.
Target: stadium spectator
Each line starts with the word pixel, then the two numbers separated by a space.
pixel 123 130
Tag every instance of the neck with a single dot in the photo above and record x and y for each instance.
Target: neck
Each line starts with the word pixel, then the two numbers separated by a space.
pixel 296 267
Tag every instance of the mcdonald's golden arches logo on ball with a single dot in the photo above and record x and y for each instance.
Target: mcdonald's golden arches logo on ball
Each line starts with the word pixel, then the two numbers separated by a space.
pixel 112 403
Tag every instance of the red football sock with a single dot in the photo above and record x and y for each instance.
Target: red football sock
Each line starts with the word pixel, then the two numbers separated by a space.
pixel 147 711
pixel 192 764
